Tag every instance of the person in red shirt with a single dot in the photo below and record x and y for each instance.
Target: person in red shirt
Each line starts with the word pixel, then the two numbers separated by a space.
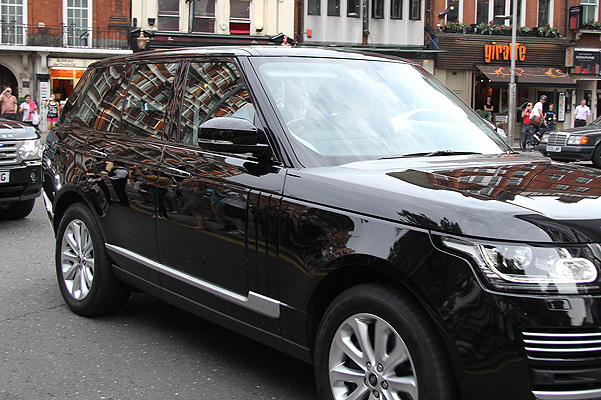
pixel 527 128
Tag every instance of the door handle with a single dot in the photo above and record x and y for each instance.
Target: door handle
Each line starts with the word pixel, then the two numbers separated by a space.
pixel 178 172
pixel 98 153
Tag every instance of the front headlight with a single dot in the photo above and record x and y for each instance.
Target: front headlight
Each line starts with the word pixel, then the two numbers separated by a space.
pixel 544 138
pixel 576 140
pixel 522 267
pixel 31 149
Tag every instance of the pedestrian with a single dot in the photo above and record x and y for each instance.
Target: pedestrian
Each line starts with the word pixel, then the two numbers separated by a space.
pixel 52 116
pixel 489 107
pixel 550 118
pixel 29 110
pixel 527 128
pixel 537 115
pixel 9 104
pixel 581 114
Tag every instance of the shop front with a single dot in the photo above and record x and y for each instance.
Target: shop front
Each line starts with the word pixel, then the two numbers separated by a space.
pixel 478 69
pixel 64 75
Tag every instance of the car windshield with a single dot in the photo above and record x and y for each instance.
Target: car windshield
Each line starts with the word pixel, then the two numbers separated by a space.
pixel 340 110
pixel 596 122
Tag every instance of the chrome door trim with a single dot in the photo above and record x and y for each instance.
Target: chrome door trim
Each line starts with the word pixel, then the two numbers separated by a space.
pixel 254 301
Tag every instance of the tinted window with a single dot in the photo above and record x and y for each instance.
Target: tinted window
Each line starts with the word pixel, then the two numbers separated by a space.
pixel 104 80
pixel 113 85
pixel 213 89
pixel 146 102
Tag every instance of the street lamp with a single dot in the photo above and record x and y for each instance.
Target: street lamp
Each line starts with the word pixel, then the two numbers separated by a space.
pixel 512 84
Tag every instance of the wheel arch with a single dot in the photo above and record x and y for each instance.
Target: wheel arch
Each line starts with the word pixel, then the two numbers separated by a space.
pixel 63 201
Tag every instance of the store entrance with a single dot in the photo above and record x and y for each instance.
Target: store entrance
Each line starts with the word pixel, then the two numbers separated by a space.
pixel 7 78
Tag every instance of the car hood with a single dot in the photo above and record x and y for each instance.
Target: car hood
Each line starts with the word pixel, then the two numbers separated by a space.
pixel 581 130
pixel 13 130
pixel 504 197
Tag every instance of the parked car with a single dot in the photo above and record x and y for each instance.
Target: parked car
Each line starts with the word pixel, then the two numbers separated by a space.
pixel 345 208
pixel 574 144
pixel 20 169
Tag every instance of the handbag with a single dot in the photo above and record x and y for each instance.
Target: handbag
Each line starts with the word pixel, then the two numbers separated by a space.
pixel 35 119
pixel 536 121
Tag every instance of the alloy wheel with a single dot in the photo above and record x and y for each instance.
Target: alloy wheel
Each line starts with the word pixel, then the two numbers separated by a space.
pixel 77 259
pixel 368 359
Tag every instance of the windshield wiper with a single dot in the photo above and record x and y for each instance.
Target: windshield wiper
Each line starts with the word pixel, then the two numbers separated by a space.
pixel 432 154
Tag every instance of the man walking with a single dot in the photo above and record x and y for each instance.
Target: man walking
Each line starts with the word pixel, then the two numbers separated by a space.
pixel 581 113
pixel 8 104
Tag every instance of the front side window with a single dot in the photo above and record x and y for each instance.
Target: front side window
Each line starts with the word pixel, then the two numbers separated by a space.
pixel 147 99
pixel 313 7
pixel 168 15
pixel 213 89
pixel 353 8
pixel 377 9
pixel 589 10
pixel 396 9
pixel 12 27
pixel 415 9
pixel 333 8
pixel 339 111
pixel 79 23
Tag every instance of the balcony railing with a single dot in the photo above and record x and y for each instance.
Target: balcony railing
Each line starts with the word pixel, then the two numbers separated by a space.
pixel 62 36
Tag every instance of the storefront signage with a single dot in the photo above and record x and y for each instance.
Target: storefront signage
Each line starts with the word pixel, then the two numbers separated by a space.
pixel 586 62
pixel 68 62
pixel 502 52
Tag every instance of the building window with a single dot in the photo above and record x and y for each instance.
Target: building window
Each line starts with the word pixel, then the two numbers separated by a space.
pixel 333 8
pixel 314 7
pixel 12 26
pixel 396 9
pixel 500 9
pixel 79 23
pixel 353 8
pixel 543 12
pixel 453 7
pixel 377 10
pixel 482 11
pixel 240 17
pixel 204 16
pixel 589 10
pixel 168 15
pixel 415 9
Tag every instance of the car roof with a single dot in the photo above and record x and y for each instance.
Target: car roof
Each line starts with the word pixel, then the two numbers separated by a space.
pixel 252 51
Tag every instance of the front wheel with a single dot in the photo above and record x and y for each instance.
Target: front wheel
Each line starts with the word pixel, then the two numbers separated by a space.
pixel 374 343
pixel 83 266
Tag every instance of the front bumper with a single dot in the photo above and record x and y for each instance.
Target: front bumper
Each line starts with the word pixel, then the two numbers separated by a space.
pixel 25 183
pixel 567 153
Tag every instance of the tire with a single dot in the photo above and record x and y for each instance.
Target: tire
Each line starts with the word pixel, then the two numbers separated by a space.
pixel 597 157
pixel 83 266
pixel 16 210
pixel 351 364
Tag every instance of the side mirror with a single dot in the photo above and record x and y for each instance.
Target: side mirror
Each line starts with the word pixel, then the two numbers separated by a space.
pixel 230 135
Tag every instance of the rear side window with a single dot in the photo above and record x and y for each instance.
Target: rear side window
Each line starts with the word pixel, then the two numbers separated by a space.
pixel 111 106
pixel 102 83
pixel 146 101
pixel 213 89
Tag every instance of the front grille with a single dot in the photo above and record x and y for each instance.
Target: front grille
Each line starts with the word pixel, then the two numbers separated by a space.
pixel 8 153
pixel 557 139
pixel 543 346
pixel 564 364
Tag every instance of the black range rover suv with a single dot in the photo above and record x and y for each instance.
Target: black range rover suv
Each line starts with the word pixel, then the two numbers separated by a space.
pixel 20 169
pixel 347 209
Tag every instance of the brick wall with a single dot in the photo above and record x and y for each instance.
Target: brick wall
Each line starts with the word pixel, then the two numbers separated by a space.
pixel 50 12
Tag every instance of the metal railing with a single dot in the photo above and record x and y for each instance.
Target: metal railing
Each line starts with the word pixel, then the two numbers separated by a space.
pixel 15 34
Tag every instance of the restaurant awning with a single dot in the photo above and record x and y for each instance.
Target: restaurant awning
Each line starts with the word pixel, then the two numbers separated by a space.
pixel 527 76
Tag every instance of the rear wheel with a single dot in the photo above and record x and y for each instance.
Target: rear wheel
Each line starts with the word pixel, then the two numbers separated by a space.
pixel 17 210
pixel 375 343
pixel 83 267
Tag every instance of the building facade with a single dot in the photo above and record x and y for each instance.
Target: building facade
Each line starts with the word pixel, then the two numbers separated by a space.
pixel 45 45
